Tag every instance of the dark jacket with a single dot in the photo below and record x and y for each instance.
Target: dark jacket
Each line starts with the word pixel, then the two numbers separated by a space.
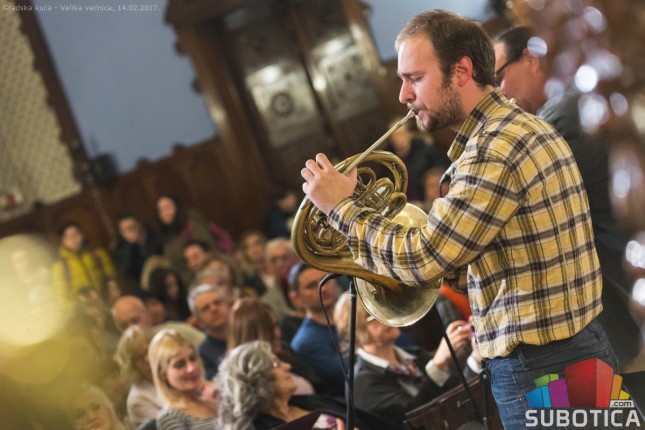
pixel 378 390
pixel 363 420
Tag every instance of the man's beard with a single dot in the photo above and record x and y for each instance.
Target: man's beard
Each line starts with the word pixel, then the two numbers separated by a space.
pixel 450 114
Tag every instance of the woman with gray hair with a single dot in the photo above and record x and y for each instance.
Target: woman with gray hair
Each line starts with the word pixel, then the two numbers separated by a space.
pixel 256 392
pixel 255 389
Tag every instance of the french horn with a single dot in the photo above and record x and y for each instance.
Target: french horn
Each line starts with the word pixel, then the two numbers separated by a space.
pixel 389 300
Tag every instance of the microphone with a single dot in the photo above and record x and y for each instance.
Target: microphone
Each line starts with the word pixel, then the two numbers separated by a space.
pixel 329 277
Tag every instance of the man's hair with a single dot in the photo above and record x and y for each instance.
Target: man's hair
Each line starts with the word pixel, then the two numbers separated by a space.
pixel 515 39
pixel 294 275
pixel 205 288
pixel 203 245
pixel 61 229
pixel 125 215
pixel 454 37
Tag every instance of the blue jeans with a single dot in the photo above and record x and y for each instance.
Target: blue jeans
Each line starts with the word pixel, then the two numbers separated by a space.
pixel 513 377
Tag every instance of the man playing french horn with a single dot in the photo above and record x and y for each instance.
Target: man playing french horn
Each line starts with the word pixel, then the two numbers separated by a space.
pixel 514 229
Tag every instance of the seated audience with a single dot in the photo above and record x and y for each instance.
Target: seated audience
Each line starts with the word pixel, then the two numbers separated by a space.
pixel 388 380
pixel 79 265
pixel 252 261
pixel 211 306
pixel 431 186
pixel 177 373
pixel 90 303
pixel 256 390
pixel 166 284
pixel 279 218
pixel 91 409
pixel 130 310
pixel 132 357
pixel 252 319
pixel 196 253
pixel 280 256
pixel 179 225
pixel 312 342
pixel 215 277
pixel 135 243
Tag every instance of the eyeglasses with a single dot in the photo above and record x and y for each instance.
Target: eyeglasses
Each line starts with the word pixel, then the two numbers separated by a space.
pixel 370 318
pixel 277 363
pixel 503 67
pixel 82 413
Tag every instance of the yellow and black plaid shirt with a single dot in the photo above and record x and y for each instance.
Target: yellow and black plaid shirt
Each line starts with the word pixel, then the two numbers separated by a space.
pixel 514 231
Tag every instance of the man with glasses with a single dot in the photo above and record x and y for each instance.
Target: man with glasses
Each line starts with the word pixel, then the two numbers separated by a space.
pixel 522 73
pixel 514 229
pixel 211 306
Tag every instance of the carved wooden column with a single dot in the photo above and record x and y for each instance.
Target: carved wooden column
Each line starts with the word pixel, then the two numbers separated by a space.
pixel 284 79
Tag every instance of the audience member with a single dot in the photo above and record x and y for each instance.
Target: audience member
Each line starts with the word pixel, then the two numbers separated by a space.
pixel 90 303
pixel 312 342
pixel 79 265
pixel 132 357
pixel 166 284
pixel 252 319
pixel 130 310
pixel 196 253
pixel 388 380
pixel 279 218
pixel 211 306
pixel 252 260
pixel 179 225
pixel 151 264
pixel 155 307
pixel 431 186
pixel 256 390
pixel 177 373
pixel 91 409
pixel 215 277
pixel 280 256
pixel 134 244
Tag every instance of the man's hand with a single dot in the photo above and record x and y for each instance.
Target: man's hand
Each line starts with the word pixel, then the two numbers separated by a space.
pixel 324 185
pixel 459 334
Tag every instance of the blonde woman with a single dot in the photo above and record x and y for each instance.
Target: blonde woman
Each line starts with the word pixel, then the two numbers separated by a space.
pixel 132 357
pixel 178 376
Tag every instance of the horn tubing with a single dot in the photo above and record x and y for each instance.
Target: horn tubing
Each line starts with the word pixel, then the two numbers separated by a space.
pixel 380 141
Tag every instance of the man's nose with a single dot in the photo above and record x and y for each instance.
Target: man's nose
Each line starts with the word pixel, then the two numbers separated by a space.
pixel 406 95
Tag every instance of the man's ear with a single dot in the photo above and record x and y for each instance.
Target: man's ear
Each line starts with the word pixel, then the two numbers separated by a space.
pixel 463 71
pixel 294 296
pixel 532 60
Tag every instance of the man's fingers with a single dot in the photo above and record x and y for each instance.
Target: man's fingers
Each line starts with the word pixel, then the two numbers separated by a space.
pixel 323 162
pixel 306 174
pixel 313 167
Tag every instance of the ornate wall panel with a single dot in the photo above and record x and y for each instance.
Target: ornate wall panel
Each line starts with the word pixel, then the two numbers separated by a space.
pixel 33 159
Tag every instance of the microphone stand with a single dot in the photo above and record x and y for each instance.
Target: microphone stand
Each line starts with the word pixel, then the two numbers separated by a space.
pixel 352 356
pixel 349 381
pixel 464 383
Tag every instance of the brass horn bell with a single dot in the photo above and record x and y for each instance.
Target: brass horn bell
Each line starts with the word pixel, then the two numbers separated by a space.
pixel 390 301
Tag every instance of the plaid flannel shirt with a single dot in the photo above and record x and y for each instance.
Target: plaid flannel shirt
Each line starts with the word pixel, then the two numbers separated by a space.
pixel 514 231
